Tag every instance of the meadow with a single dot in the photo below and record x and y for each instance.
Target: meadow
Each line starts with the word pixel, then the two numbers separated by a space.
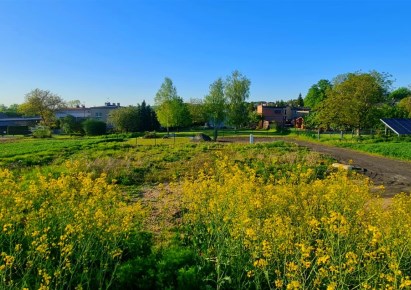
pixel 120 212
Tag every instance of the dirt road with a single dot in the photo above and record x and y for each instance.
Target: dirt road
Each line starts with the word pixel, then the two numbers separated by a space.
pixel 395 175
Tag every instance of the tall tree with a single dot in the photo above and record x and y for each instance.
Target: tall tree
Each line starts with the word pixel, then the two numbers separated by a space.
pixel 171 110
pixel 317 93
pixel 237 91
pixel 352 102
pixel 215 105
pixel 42 103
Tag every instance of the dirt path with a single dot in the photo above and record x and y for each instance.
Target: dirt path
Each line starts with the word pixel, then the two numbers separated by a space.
pixel 395 175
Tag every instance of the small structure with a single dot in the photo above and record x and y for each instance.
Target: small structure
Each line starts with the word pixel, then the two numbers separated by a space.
pixel 282 116
pixel 399 126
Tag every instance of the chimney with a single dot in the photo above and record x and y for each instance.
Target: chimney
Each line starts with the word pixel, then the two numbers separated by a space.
pixel 118 104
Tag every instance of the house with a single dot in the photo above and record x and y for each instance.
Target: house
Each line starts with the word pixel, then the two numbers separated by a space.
pixel 80 113
pixel 102 113
pixel 283 115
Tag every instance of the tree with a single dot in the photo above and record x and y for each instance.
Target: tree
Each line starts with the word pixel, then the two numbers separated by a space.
pixel 400 93
pixel 125 119
pixel 352 103
pixel 171 110
pixel 405 104
pixel 300 101
pixel 10 111
pixel 215 105
pixel 42 103
pixel 237 91
pixel 196 109
pixel 94 127
pixel 147 118
pixel 70 125
pixel 317 93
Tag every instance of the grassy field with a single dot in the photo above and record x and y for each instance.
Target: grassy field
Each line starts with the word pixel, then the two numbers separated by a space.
pixel 392 146
pixel 130 213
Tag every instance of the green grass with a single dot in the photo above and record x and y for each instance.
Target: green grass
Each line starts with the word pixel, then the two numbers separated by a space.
pixel 388 146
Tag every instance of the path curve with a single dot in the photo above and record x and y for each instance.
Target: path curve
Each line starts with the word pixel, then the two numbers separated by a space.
pixel 395 175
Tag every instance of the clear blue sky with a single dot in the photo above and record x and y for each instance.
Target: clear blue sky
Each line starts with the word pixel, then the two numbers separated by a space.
pixel 120 51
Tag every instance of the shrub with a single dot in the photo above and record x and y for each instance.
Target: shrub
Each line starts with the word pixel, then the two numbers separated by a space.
pixel 94 127
pixel 41 132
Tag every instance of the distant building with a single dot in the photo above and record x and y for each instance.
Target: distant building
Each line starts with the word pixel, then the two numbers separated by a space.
pixel 79 113
pixel 100 113
pixel 282 116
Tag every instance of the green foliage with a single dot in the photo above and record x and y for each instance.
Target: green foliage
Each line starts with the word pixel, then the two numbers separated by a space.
pixel 405 105
pixel 10 111
pixel 138 118
pixel 215 105
pixel 41 131
pixel 41 103
pixel 352 102
pixel 171 110
pixel 317 93
pixel 70 125
pixel 237 91
pixel 125 119
pixel 196 109
pixel 400 94
pixel 94 127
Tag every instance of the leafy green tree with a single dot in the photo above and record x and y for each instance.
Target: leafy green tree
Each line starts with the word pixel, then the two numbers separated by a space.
pixel 42 103
pixel 317 93
pixel 196 109
pixel 94 127
pixel 237 91
pixel 400 94
pixel 352 103
pixel 125 119
pixel 70 125
pixel 171 110
pixel 215 105
pixel 405 104
pixel 10 111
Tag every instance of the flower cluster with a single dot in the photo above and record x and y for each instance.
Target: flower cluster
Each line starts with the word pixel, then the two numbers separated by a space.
pixel 64 231
pixel 296 232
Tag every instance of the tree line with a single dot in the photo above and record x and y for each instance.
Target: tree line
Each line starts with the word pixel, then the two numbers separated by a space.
pixel 350 101
pixel 356 101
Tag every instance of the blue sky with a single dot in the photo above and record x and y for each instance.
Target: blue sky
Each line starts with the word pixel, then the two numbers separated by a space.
pixel 120 51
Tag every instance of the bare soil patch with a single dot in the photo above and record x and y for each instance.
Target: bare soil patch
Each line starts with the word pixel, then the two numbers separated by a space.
pixel 395 175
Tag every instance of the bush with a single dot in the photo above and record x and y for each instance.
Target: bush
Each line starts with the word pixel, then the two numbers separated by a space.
pixel 41 132
pixel 150 135
pixel 94 127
